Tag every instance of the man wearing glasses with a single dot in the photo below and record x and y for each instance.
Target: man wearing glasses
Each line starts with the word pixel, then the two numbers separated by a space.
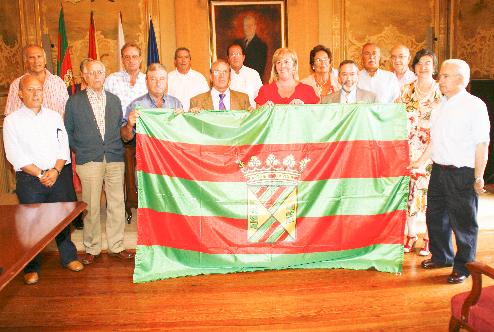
pixel 129 83
pixel 220 97
pixel 400 58
pixel 93 118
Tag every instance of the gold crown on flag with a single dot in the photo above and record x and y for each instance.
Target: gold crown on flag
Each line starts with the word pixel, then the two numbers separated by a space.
pixel 273 171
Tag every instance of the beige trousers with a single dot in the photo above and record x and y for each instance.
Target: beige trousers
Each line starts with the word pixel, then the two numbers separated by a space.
pixel 92 175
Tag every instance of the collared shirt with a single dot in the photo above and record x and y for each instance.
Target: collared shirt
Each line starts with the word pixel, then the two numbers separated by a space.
pixel 98 104
pixel 35 138
pixel 457 126
pixel 247 81
pixel 54 94
pixel 119 84
pixel 186 86
pixel 384 84
pixel 350 97
pixel 146 101
pixel 407 78
pixel 215 95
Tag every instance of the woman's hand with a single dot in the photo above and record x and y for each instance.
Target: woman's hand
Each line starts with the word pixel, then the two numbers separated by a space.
pixel 296 102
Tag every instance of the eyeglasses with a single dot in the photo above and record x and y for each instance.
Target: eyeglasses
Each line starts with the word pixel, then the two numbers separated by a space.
pixel 131 57
pixel 321 60
pixel 401 57
pixel 96 72
pixel 235 54
pixel 220 72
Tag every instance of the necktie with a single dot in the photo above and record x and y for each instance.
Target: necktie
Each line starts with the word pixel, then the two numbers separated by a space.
pixel 246 42
pixel 221 104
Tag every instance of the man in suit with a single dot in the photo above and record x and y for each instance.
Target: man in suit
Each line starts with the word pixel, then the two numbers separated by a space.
pixel 349 93
pixel 93 118
pixel 220 97
pixel 255 49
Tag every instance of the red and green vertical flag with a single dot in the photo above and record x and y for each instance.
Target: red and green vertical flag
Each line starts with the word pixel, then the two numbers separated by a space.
pixel 310 186
pixel 64 66
pixel 92 45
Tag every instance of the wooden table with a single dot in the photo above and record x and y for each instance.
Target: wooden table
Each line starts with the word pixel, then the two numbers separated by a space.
pixel 25 229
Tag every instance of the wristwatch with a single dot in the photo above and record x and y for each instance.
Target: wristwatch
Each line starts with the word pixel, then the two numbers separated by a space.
pixel 40 175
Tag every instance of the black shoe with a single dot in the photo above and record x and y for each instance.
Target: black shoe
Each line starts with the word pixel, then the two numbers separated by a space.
pixel 456 278
pixel 429 264
pixel 78 223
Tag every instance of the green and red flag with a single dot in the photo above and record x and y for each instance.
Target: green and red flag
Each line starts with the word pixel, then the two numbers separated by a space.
pixel 310 186
pixel 64 66
pixel 92 52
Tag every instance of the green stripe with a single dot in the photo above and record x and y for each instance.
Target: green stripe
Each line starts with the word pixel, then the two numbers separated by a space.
pixel 276 234
pixel 262 230
pixel 171 263
pixel 358 196
pixel 270 125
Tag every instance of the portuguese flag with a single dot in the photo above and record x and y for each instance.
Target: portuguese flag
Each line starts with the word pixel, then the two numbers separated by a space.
pixel 309 186
pixel 64 66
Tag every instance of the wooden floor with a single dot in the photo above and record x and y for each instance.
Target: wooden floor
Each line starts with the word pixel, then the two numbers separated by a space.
pixel 103 297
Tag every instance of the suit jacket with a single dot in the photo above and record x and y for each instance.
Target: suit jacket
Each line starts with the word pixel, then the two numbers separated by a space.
pixel 84 136
pixel 238 101
pixel 363 96
pixel 255 54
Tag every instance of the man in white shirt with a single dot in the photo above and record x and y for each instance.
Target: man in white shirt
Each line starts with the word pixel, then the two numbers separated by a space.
pixel 382 82
pixel 129 83
pixel 242 78
pixel 36 144
pixel 221 97
pixel 400 58
pixel 458 149
pixel 184 82
pixel 349 93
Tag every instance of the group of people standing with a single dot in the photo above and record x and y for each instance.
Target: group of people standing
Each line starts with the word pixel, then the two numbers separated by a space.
pixel 448 132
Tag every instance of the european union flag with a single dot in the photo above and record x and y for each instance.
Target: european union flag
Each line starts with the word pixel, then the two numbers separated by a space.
pixel 153 55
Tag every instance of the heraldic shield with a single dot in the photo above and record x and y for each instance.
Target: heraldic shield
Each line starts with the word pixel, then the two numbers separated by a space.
pixel 272 198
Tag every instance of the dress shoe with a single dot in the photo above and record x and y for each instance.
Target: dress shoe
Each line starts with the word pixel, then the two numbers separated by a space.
pixel 31 278
pixel 425 249
pixel 89 259
pixel 411 240
pixel 429 264
pixel 75 266
pixel 78 224
pixel 456 278
pixel 124 254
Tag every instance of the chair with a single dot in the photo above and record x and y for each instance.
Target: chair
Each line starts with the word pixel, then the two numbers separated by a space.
pixel 130 180
pixel 474 310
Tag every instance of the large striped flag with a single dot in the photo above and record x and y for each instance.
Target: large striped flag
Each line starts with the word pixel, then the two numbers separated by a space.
pixel 310 186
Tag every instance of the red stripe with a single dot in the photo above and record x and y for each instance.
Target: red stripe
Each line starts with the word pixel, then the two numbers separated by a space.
pixel 334 160
pixel 217 235
pixel 261 191
pixel 274 197
pixel 283 236
pixel 269 231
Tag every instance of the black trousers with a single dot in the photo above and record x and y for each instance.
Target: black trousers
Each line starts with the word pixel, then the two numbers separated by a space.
pixel 30 190
pixel 452 205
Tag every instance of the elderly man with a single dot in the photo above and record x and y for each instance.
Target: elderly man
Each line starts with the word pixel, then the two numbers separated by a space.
pixel 242 78
pixel 220 97
pixel 54 89
pixel 255 49
pixel 349 93
pixel 156 81
pixel 184 82
pixel 42 163
pixel 129 83
pixel 400 58
pixel 459 146
pixel 381 82
pixel 93 118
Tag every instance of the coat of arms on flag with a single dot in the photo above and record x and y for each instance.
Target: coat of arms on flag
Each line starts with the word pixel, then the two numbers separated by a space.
pixel 272 198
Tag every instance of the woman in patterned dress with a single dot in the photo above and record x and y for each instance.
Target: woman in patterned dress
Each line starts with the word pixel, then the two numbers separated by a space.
pixel 420 98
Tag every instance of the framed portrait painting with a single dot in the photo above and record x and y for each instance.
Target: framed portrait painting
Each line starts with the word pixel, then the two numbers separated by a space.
pixel 259 26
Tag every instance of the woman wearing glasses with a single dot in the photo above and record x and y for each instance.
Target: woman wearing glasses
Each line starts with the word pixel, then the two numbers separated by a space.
pixel 324 79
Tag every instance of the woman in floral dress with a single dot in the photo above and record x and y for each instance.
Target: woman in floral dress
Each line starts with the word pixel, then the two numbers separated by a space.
pixel 420 98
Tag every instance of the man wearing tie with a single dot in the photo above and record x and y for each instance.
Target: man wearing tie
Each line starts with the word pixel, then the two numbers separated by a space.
pixel 220 97
pixel 255 49
pixel 349 93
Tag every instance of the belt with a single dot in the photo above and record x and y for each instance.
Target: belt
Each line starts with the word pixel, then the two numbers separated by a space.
pixel 446 166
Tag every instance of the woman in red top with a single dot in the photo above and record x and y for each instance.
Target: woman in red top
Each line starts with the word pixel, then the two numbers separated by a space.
pixel 284 87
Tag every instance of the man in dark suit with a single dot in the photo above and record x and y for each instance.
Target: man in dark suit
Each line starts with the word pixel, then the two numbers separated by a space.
pixel 255 49
pixel 93 118
pixel 220 97
pixel 350 92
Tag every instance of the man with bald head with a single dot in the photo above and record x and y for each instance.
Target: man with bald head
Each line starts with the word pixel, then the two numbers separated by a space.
pixel 400 58
pixel 458 149
pixel 382 83
pixel 93 118
pixel 36 144
pixel 55 93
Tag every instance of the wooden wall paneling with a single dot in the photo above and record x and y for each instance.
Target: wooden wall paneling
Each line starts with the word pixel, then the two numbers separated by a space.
pixel 168 42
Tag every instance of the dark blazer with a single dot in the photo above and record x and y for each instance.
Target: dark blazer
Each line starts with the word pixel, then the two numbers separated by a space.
pixel 238 101
pixel 84 136
pixel 255 54
pixel 363 96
